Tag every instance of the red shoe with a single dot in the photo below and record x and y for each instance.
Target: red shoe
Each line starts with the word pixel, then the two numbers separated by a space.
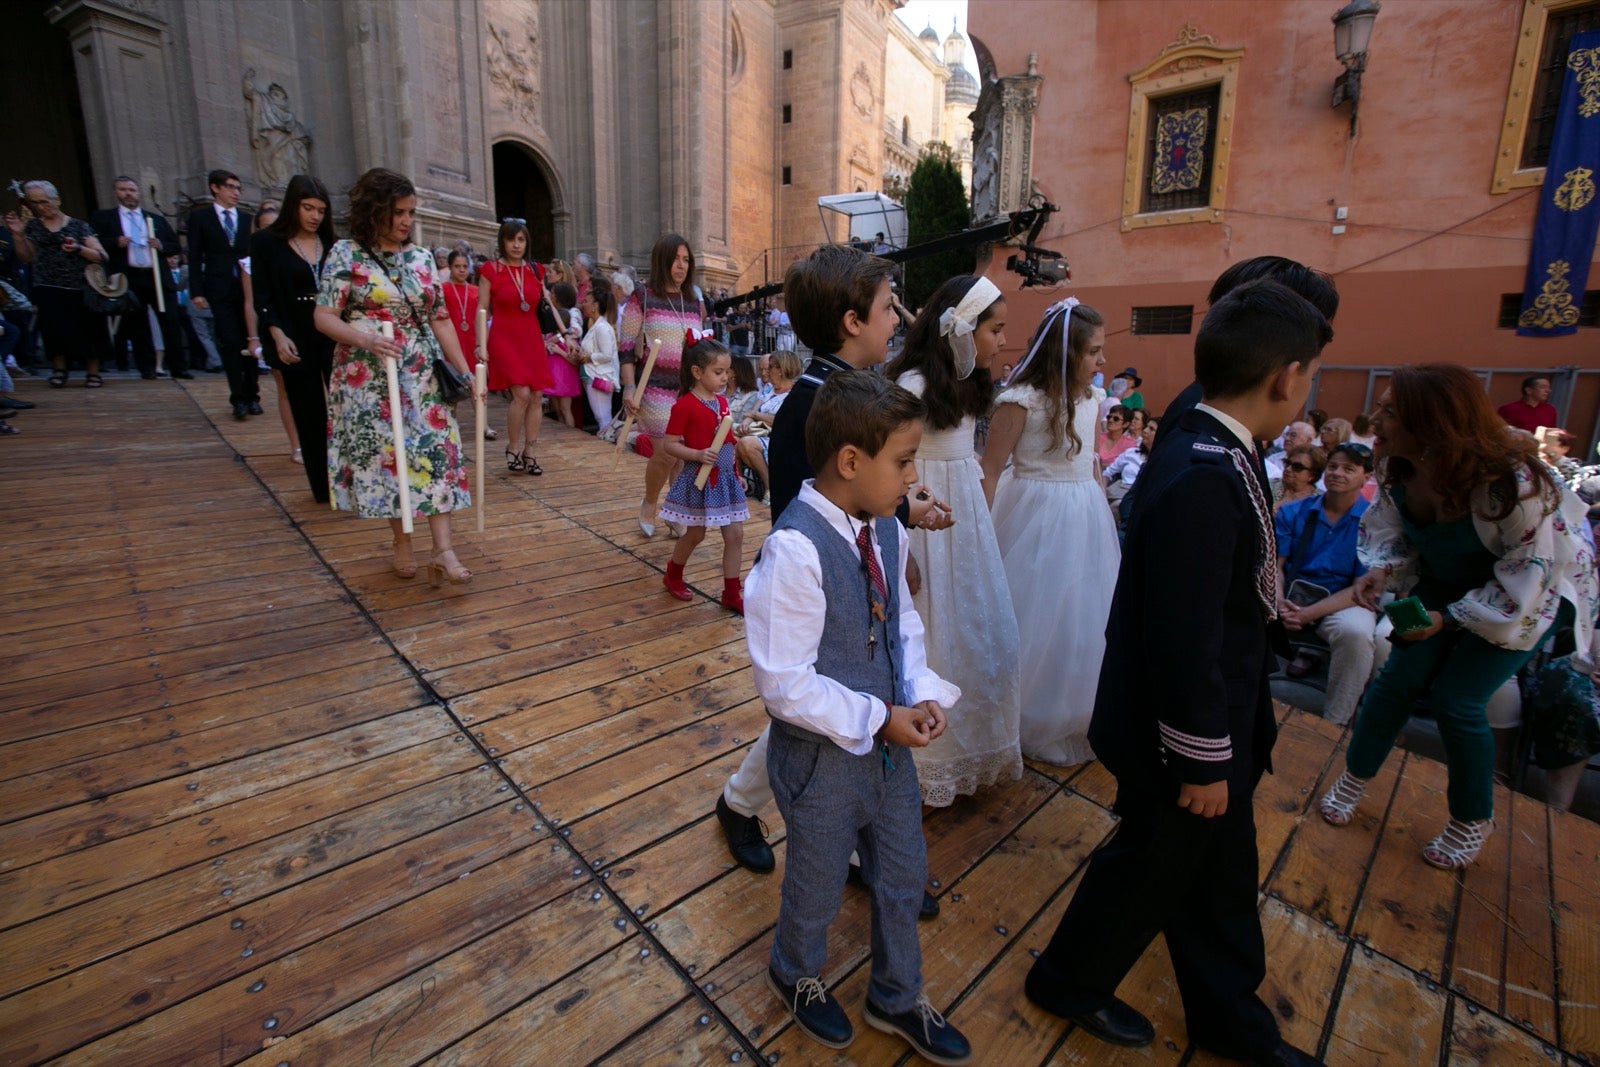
pixel 733 595
pixel 674 582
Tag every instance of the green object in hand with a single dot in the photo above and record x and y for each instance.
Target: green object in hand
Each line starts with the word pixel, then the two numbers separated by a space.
pixel 1408 615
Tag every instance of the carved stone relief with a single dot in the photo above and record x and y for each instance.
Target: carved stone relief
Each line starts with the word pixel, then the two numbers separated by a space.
pixel 282 145
pixel 513 59
pixel 1002 147
pixel 862 96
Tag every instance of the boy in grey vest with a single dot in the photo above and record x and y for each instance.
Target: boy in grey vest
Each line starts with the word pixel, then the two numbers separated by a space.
pixel 837 652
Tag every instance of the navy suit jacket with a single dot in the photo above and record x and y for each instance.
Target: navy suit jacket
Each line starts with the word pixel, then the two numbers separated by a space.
pixel 1183 694
pixel 213 260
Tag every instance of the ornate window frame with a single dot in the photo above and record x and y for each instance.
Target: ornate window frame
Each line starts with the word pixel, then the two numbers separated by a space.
pixel 1508 175
pixel 1191 61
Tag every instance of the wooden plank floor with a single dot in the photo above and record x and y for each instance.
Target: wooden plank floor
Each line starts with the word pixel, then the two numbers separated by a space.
pixel 261 800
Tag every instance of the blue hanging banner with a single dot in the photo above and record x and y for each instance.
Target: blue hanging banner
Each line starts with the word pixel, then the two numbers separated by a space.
pixel 1569 210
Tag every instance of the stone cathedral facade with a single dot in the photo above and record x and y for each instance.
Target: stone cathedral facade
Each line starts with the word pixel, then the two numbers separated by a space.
pixel 603 123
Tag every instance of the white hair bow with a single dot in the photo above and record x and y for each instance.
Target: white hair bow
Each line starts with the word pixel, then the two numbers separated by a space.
pixel 1065 307
pixel 958 323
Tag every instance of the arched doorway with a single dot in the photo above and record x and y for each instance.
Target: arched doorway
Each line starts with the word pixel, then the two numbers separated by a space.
pixel 46 139
pixel 522 191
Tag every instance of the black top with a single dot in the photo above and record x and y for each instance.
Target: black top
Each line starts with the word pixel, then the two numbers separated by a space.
pixel 107 224
pixel 285 291
pixel 787 465
pixel 213 261
pixel 1187 622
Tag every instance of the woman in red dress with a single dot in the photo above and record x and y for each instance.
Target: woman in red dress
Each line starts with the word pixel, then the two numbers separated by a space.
pixel 511 288
pixel 461 301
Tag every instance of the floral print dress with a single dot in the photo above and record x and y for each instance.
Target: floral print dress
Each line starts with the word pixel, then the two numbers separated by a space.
pixel 1540 559
pixel 361 464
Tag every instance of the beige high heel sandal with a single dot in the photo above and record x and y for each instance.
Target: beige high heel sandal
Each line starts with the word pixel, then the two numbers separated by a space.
pixel 405 567
pixel 438 566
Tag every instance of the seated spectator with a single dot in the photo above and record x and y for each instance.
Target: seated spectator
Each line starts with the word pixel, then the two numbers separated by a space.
pixel 1534 409
pixel 1317 549
pixel 752 443
pixel 1334 432
pixel 1295 435
pixel 1556 448
pixel 1361 430
pixel 1124 470
pixel 1115 439
pixel 1302 469
pixel 1316 417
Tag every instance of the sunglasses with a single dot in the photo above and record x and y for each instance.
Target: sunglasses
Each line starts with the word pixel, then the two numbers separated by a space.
pixel 1303 468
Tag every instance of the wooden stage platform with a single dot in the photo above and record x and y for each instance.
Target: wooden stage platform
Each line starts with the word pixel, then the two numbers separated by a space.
pixel 261 800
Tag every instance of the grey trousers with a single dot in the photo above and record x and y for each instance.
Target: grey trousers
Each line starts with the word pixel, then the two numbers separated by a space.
pixel 834 803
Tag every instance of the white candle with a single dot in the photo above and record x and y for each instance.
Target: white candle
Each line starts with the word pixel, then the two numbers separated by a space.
pixel 402 469
pixel 724 428
pixel 155 266
pixel 637 395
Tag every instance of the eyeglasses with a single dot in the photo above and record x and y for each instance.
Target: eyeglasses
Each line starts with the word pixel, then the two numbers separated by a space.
pixel 35 203
pixel 235 186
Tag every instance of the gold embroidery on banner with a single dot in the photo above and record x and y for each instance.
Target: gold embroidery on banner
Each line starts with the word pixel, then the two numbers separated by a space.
pixel 1180 151
pixel 1585 63
pixel 1553 306
pixel 1576 191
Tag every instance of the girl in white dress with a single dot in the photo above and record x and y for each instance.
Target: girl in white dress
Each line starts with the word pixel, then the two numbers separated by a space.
pixel 1056 535
pixel 964 602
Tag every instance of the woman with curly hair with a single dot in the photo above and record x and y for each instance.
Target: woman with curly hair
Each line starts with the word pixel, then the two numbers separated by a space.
pixel 1470 523
pixel 375 277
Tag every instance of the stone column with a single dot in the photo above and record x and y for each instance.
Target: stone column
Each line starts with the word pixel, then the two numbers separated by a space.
pixel 1002 156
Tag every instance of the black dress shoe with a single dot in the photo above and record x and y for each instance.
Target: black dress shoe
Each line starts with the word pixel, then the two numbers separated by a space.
pixel 930 903
pixel 1284 1055
pixel 815 1010
pixel 928 1032
pixel 148 375
pixel 254 408
pixel 14 404
pixel 746 840
pixel 183 374
pixel 1110 1019
pixel 238 411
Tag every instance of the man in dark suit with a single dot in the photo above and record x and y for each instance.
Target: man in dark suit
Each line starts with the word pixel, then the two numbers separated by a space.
pixel 1195 596
pixel 219 236
pixel 123 233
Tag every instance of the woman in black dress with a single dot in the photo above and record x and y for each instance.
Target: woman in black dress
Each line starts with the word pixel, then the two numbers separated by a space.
pixel 286 271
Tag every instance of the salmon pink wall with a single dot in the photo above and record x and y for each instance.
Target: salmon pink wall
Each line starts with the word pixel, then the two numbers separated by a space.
pixel 1427 251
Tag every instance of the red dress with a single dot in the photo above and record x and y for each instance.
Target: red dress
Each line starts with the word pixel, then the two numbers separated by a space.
pixel 461 301
pixel 516 346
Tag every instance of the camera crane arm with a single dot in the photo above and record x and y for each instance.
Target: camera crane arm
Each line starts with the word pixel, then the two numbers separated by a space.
pixel 1031 263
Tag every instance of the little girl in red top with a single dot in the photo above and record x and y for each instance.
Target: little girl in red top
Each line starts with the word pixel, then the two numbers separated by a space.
pixel 702 376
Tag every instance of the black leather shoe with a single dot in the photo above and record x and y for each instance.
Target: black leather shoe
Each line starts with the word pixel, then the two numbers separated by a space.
pixel 148 375
pixel 927 1031
pixel 184 375
pixel 238 411
pixel 746 840
pixel 1111 1020
pixel 14 404
pixel 930 903
pixel 254 408
pixel 815 1010
pixel 1284 1055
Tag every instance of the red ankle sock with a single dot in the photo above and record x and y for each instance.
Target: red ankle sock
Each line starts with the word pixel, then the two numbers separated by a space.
pixel 733 595
pixel 675 583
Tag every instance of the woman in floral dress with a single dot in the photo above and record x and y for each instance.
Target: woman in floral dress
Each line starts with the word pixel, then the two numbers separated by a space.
pixel 1472 525
pixel 377 277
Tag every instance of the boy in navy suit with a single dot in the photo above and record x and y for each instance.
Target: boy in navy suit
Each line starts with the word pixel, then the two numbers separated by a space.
pixel 1195 596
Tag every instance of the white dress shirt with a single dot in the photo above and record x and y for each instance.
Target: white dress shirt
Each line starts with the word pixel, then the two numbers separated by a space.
pixel 133 229
pixel 785 604
pixel 1234 426
pixel 222 217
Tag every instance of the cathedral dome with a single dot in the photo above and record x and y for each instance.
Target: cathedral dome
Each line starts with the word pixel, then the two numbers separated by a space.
pixel 962 86
pixel 929 36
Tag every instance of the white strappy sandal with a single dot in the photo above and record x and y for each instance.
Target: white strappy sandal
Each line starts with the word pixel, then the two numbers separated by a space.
pixel 1339 803
pixel 1457 844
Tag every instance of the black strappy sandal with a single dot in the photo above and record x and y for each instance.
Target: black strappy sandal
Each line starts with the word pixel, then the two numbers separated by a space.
pixel 92 381
pixel 58 379
pixel 513 461
pixel 532 464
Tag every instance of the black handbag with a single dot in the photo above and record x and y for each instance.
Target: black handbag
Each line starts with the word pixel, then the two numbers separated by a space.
pixel 452 384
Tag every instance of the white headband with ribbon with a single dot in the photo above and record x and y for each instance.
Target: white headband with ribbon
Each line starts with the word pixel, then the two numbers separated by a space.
pixel 1065 307
pixel 959 322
